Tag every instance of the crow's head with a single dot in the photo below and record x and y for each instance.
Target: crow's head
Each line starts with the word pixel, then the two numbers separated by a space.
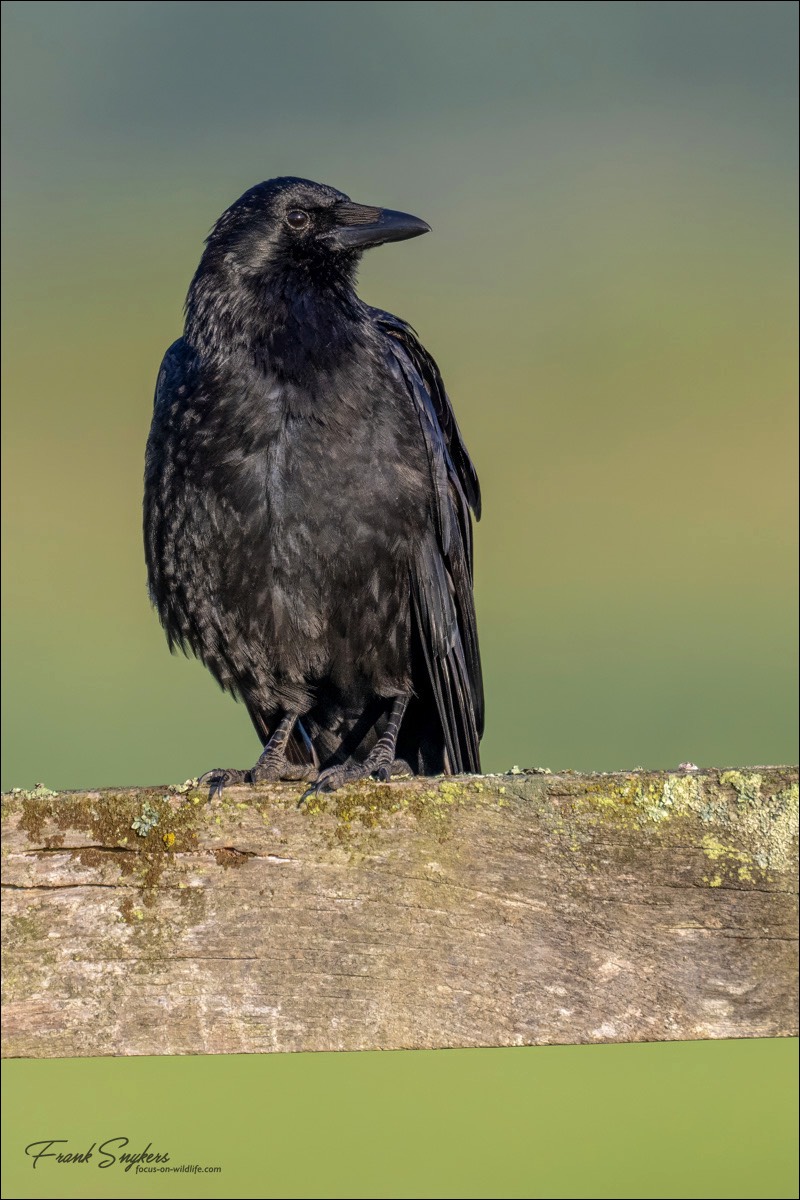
pixel 293 223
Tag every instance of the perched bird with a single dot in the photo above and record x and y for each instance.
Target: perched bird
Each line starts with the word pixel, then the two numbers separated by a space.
pixel 308 500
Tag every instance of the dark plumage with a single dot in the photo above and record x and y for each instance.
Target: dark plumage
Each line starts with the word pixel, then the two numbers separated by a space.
pixel 307 501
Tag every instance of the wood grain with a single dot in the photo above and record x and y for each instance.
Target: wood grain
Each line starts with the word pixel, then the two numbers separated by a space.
pixel 478 911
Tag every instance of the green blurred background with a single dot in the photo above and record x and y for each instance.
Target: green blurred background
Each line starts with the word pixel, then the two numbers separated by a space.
pixel 609 289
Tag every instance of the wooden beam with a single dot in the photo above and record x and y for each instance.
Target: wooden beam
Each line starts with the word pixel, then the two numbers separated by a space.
pixel 500 910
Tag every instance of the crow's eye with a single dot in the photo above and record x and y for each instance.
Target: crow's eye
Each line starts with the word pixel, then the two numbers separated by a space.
pixel 297 219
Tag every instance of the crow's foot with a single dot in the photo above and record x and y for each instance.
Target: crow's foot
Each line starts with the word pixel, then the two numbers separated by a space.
pixel 269 769
pixel 220 778
pixel 334 778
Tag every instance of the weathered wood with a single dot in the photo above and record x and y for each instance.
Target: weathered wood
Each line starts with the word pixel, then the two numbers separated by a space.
pixel 480 911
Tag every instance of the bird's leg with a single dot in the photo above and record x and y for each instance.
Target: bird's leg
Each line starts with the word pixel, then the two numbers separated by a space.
pixel 272 764
pixel 380 762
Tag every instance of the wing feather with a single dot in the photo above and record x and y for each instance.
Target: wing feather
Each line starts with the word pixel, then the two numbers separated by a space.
pixel 441 576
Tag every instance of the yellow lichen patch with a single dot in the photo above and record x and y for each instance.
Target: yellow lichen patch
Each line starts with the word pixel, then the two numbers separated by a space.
pixel 770 829
pixel 450 789
pixel 746 785
pixel 737 864
pixel 360 808
pixel 646 797
pixel 714 849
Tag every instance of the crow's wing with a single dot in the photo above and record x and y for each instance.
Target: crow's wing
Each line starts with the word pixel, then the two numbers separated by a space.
pixel 441 576
pixel 438 402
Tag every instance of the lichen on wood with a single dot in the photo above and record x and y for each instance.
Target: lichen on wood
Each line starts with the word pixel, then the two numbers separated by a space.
pixel 515 909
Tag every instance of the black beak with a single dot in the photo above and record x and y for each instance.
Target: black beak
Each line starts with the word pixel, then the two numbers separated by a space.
pixel 358 226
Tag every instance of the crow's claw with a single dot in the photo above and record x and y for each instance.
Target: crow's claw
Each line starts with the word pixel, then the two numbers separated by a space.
pixel 278 769
pixel 220 777
pixel 333 778
pixel 310 791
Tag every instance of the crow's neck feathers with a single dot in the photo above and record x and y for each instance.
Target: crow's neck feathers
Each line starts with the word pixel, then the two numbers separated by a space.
pixel 295 318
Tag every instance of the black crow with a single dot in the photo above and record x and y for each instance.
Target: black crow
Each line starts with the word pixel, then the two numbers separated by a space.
pixel 308 500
